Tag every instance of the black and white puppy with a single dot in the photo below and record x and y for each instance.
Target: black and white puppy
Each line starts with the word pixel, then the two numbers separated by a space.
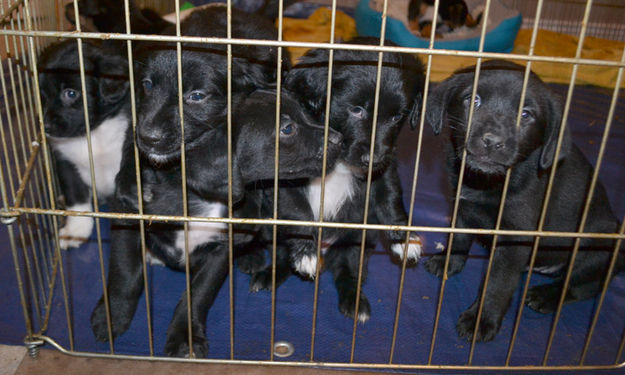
pixel 351 113
pixel 159 139
pixel 106 82
pixel 494 145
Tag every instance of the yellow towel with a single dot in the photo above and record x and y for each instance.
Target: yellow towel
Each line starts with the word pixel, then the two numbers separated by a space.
pixel 317 29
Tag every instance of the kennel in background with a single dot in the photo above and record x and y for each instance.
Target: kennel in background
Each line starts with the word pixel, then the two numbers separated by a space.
pixel 43 284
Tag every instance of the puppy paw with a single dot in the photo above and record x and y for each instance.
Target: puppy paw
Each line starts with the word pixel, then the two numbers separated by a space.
pixel 120 321
pixel 543 298
pixel 413 251
pixel 261 280
pixel 251 262
pixel 76 231
pixel 177 344
pixel 347 306
pixel 306 265
pixel 488 326
pixel 436 264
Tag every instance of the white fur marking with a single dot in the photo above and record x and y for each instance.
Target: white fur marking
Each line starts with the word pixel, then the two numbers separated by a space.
pixel 339 188
pixel 362 317
pixel 77 229
pixel 106 143
pixel 307 266
pixel 414 251
pixel 439 246
pixel 548 270
pixel 201 232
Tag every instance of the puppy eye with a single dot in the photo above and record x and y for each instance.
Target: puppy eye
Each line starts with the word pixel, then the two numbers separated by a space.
pixel 477 102
pixel 196 96
pixel 287 129
pixel 357 111
pixel 147 85
pixel 397 118
pixel 526 114
pixel 69 95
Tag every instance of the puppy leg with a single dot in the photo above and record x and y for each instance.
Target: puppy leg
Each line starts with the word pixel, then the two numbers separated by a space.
pixel 262 279
pixel 253 260
pixel 300 240
pixel 508 264
pixel 209 270
pixel 125 283
pixel 344 264
pixel 77 229
pixel 389 209
pixel 587 279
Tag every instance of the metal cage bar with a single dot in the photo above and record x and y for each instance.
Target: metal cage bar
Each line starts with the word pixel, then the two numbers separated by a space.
pixel 23 164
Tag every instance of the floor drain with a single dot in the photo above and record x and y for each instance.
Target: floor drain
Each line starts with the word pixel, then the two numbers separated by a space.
pixel 283 349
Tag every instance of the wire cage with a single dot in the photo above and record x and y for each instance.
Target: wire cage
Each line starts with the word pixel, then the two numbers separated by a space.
pixel 47 280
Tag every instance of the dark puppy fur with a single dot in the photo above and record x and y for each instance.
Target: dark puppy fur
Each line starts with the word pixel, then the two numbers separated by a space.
pixel 108 16
pixel 159 139
pixel 351 113
pixel 493 146
pixel 106 85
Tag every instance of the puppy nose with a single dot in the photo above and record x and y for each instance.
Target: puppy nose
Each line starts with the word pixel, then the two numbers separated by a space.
pixel 492 140
pixel 335 137
pixel 150 138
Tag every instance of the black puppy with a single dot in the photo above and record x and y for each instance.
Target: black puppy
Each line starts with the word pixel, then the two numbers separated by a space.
pixel 351 113
pixel 494 145
pixel 108 16
pixel 159 139
pixel 106 83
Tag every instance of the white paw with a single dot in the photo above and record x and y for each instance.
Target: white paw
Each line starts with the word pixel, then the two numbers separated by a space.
pixel 415 248
pixel 363 317
pixel 307 266
pixel 76 231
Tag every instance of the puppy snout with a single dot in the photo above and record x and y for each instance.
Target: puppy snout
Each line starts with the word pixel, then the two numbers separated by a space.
pixel 150 138
pixel 490 140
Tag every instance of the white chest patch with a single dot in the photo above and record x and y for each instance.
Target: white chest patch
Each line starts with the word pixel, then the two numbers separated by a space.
pixel 339 188
pixel 106 143
pixel 201 232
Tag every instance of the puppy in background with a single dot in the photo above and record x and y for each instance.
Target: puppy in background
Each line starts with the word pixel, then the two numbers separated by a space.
pixel 108 16
pixel 351 114
pixel 106 83
pixel 452 14
pixel 494 145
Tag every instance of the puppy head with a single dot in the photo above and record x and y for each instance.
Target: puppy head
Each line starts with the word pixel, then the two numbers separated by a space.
pixel 301 139
pixel 204 84
pixel 495 143
pixel 106 83
pixel 353 94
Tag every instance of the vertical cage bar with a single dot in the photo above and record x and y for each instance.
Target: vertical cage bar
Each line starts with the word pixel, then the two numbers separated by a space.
pixel 274 247
pixel 324 165
pixel 618 242
pixel 183 166
pixel 229 166
pixel 133 114
pixel 552 176
pixel 376 102
pixel 460 180
pixel 532 260
pixel 414 185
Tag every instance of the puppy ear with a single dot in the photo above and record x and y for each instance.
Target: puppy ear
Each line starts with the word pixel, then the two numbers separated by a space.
pixel 553 118
pixel 438 101
pixel 415 111
pixel 113 83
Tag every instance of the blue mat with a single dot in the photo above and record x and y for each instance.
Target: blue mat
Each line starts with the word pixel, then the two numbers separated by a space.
pixel 333 330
